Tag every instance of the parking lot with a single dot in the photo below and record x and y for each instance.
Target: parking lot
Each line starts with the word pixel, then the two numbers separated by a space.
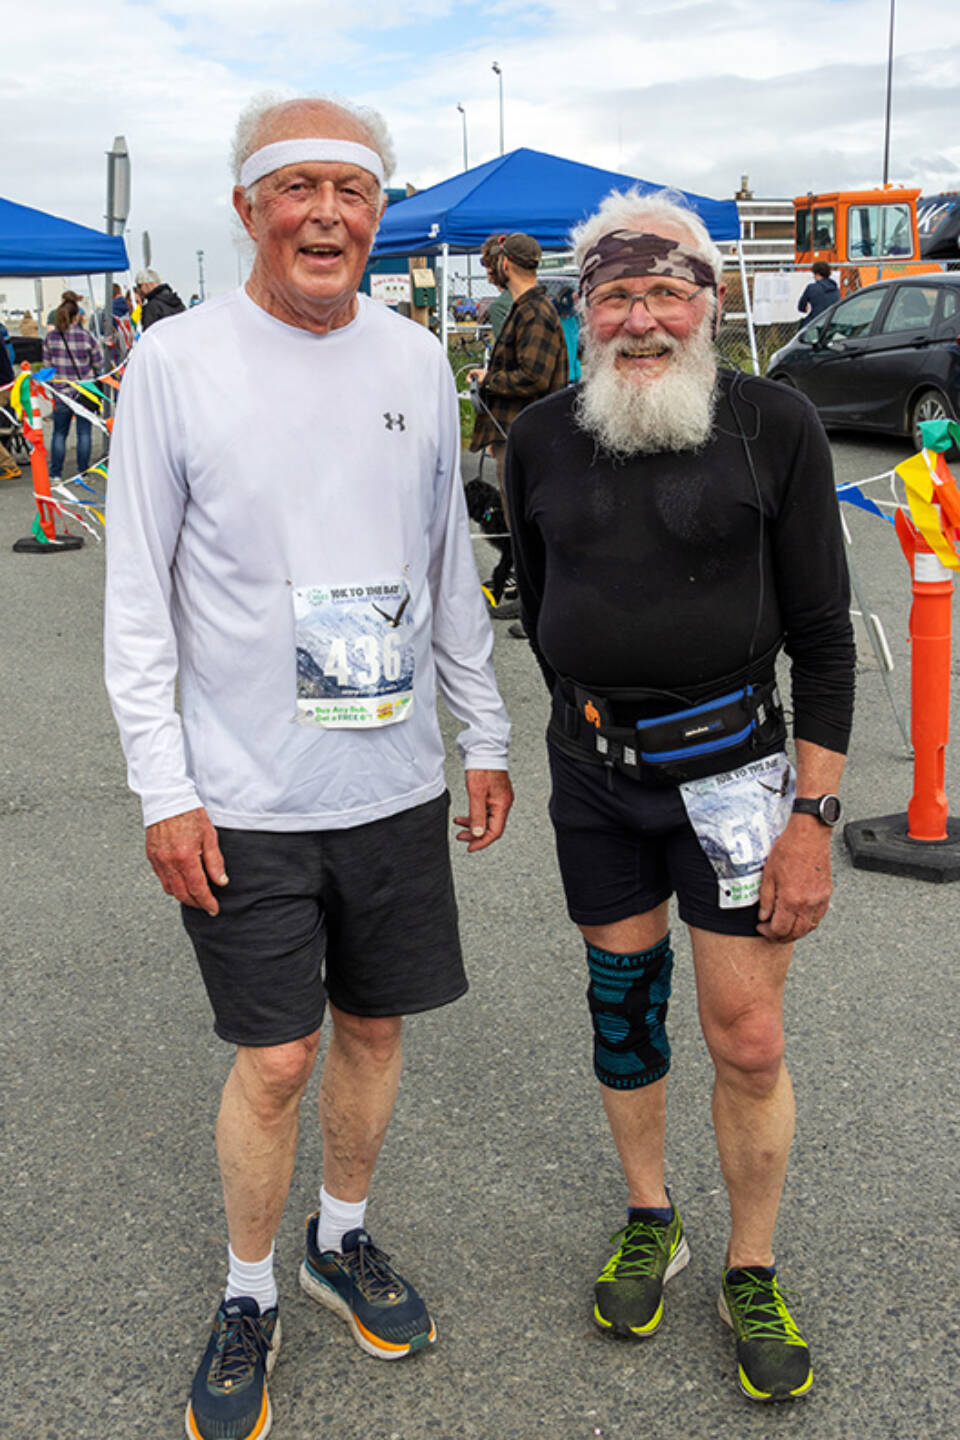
pixel 498 1186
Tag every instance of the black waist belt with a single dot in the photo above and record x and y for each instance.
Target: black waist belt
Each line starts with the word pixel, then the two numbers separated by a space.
pixel 714 735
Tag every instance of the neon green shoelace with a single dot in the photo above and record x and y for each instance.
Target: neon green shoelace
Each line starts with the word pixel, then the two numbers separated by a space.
pixel 761 1311
pixel 641 1249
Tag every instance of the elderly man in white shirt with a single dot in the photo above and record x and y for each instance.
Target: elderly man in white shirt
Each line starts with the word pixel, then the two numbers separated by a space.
pixel 288 542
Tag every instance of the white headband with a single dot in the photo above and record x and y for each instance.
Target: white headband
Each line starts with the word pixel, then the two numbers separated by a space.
pixel 294 152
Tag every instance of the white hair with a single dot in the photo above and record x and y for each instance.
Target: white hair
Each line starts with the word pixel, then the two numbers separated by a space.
pixel 246 138
pixel 675 411
pixel 633 210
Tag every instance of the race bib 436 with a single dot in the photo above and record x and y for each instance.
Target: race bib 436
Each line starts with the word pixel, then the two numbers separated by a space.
pixel 355 654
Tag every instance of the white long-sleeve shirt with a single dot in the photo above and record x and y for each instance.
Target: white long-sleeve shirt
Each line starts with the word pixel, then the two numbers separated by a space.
pixel 250 462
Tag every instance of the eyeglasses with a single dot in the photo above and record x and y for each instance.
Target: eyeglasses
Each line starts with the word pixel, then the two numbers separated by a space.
pixel 661 303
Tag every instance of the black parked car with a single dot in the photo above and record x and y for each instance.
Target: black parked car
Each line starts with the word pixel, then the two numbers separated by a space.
pixel 884 358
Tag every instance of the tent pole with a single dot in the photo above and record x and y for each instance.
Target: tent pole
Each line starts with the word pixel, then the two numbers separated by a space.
pixel 38 302
pixel 444 307
pixel 748 308
pixel 97 329
pixel 95 325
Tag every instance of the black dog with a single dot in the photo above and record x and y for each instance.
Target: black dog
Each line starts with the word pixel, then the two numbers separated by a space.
pixel 486 508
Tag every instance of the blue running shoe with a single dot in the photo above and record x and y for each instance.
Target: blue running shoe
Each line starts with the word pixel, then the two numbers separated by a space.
pixel 229 1400
pixel 387 1316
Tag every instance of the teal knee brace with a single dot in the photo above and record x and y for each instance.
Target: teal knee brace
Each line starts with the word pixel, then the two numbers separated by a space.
pixel 628 997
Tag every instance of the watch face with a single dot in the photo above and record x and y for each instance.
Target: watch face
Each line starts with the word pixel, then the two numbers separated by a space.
pixel 830 809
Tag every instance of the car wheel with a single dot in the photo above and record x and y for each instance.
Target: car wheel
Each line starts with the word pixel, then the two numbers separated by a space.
pixel 929 405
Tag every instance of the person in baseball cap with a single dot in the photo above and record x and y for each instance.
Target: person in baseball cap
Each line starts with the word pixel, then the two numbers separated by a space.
pixel 529 357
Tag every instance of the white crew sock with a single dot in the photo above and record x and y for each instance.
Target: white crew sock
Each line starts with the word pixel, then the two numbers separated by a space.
pixel 336 1218
pixel 255 1279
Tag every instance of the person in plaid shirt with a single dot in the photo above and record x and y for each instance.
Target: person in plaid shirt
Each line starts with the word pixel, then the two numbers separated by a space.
pixel 529 359
pixel 74 355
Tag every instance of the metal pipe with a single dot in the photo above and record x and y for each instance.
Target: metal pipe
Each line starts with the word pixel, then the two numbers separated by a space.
pixel 444 298
pixel 466 166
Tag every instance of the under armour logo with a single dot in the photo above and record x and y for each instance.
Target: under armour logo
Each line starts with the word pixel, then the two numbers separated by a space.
pixel 391 420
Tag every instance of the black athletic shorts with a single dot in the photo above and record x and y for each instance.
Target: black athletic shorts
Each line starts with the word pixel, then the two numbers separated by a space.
pixel 624 848
pixel 366 916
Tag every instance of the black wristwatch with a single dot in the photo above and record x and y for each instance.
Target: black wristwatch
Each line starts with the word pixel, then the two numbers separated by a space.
pixel 826 808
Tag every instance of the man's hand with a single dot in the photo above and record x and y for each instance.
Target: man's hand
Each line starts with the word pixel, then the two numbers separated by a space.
pixel 186 857
pixel 478 375
pixel 796 885
pixel 489 795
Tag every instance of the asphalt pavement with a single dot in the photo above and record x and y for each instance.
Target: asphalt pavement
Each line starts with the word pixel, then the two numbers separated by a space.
pixel 498 1186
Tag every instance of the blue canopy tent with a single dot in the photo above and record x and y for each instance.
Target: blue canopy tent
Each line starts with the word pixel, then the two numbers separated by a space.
pixel 35 243
pixel 543 195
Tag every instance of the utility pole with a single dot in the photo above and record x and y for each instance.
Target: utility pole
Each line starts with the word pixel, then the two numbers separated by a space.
pixel 886 131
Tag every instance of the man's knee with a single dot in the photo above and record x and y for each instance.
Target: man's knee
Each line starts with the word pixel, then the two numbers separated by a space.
pixel 748 1047
pixel 273 1076
pixel 375 1038
pixel 628 996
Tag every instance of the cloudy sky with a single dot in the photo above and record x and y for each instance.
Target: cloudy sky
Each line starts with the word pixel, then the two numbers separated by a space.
pixel 693 93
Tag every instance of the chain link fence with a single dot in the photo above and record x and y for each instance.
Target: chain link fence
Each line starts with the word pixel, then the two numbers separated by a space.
pixel 733 338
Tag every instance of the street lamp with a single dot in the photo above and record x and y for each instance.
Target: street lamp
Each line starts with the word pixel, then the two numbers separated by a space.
pixel 495 67
pixel 463 113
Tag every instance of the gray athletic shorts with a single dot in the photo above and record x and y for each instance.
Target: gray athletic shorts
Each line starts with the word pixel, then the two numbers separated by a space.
pixel 366 916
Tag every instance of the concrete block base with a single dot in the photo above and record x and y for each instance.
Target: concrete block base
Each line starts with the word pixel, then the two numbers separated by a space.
pixel 883 844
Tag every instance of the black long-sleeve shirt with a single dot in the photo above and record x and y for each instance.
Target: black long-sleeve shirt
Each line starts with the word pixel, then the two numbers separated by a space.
pixel 657 572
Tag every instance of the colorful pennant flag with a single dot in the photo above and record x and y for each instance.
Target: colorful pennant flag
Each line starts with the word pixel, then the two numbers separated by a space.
pixel 916 474
pixel 851 494
pixel 940 434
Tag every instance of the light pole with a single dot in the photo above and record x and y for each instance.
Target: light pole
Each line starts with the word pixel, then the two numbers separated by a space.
pixel 203 293
pixel 466 166
pixel 886 128
pixel 495 67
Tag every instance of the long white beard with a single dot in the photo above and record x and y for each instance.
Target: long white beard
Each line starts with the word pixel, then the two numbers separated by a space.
pixel 630 416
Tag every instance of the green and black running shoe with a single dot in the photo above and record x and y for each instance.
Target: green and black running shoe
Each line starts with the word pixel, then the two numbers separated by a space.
pixel 629 1288
pixel 773 1362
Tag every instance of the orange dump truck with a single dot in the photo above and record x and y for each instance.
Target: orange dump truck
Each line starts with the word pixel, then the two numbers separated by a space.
pixel 866 234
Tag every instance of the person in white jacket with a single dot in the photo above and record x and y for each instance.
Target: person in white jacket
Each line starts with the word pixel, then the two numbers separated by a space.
pixel 288 542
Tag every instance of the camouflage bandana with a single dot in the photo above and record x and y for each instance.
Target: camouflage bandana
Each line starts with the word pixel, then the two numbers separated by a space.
pixel 623 253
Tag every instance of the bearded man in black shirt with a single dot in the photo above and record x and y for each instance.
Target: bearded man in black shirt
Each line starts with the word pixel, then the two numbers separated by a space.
pixel 675 526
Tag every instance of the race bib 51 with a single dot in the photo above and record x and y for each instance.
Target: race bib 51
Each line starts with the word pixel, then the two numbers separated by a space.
pixel 737 816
